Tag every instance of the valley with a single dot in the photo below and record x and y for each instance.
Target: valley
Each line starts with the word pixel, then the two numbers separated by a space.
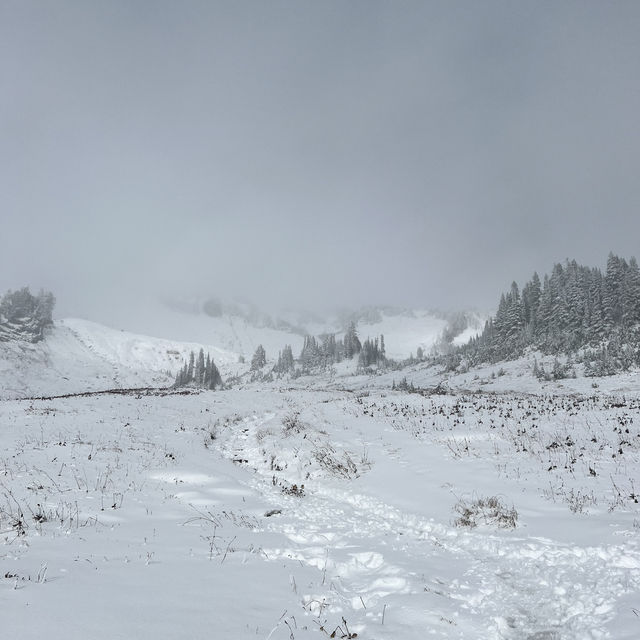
pixel 323 504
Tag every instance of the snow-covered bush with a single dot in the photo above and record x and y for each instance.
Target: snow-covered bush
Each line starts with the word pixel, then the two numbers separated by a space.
pixel 488 511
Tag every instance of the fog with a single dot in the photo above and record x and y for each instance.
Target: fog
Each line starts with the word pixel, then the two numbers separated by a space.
pixel 313 153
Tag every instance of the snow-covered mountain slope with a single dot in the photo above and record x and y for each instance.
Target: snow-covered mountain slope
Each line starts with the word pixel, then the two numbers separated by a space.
pixel 476 322
pixel 78 355
pixel 241 329
pixel 188 323
pixel 404 332
pixel 133 351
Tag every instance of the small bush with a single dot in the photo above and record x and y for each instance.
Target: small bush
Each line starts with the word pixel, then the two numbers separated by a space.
pixel 293 490
pixel 489 511
pixel 291 423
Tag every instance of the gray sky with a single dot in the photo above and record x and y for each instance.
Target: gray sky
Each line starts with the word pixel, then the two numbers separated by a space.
pixel 418 153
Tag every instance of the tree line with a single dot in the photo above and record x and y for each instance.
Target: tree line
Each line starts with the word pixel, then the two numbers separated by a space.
pixel 574 309
pixel 199 371
pixel 319 353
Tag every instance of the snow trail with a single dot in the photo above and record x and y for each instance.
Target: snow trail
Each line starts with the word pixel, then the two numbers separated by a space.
pixel 370 554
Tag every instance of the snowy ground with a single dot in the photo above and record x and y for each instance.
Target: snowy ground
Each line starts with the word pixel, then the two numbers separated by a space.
pixel 332 504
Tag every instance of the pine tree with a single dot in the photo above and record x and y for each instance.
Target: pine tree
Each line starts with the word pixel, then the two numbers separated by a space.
pixel 207 372
pixel 631 295
pixel 201 372
pixel 190 367
pixel 351 342
pixel 259 358
pixel 198 374
pixel 577 306
pixel 613 282
pixel 215 379
pixel 311 355
pixel 531 300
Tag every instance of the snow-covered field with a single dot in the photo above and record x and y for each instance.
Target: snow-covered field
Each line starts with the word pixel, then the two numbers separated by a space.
pixel 330 504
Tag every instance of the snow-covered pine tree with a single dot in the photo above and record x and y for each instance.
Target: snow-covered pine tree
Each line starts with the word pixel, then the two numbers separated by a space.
pixel 631 295
pixel 198 374
pixel 310 356
pixel 576 307
pixel 259 358
pixel 189 374
pixel 215 379
pixel 351 341
pixel 190 367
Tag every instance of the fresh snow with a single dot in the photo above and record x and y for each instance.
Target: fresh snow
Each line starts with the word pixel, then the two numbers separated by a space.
pixel 404 330
pixel 404 333
pixel 79 355
pixel 298 508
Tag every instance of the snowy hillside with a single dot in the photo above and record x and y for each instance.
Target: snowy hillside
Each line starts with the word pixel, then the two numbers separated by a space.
pixel 240 330
pixel 78 355
pixel 405 332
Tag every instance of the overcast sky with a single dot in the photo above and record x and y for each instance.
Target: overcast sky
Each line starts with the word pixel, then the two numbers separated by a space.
pixel 412 153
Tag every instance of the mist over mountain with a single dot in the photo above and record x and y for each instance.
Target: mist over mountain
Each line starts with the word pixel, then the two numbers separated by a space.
pixel 315 153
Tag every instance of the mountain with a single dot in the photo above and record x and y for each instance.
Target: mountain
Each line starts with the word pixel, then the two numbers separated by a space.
pixel 79 355
pixel 241 326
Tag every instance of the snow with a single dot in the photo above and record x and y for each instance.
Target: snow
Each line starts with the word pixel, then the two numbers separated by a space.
pixel 296 508
pixel 404 330
pixel 404 333
pixel 476 325
pixel 79 355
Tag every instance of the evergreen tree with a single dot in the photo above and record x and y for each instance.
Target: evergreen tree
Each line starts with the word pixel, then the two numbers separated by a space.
pixel 351 341
pixel 201 372
pixel 370 354
pixel 285 363
pixel 576 307
pixel 215 379
pixel 531 293
pixel 631 295
pixel 259 358
pixel 191 367
pixel 198 374
pixel 310 356
pixel 613 283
